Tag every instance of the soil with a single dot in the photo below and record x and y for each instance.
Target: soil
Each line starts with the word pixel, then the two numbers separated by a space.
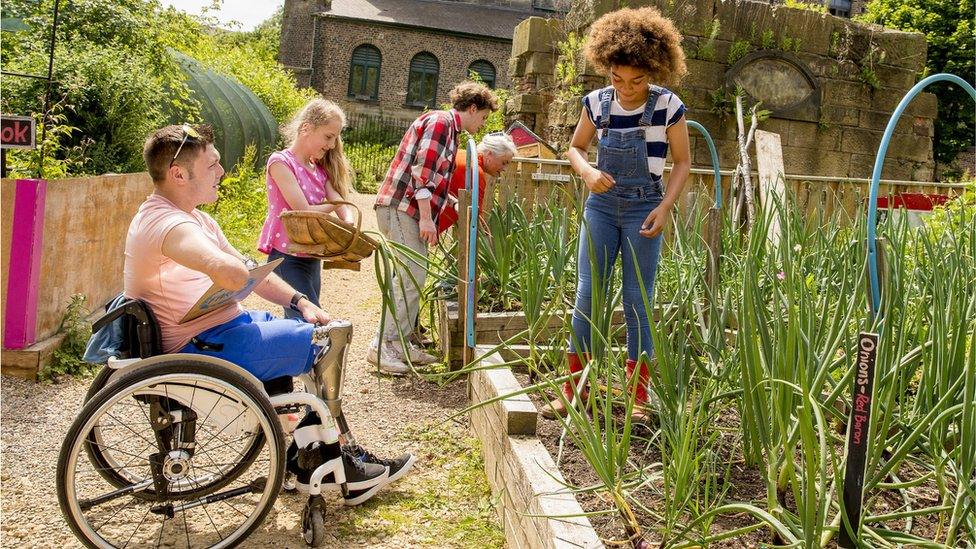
pixel 745 485
pixel 388 416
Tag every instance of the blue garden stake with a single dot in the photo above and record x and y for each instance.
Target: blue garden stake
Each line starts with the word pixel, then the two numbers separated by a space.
pixel 471 184
pixel 875 297
pixel 714 152
pixel 862 396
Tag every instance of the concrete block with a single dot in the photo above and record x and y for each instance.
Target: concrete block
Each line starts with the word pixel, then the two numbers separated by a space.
pixel 910 147
pixel 905 50
pixel 525 103
pixel 895 77
pixel 836 115
pixel 540 63
pixel 535 34
pixel 808 135
pixel 707 75
pixel 845 94
pixel 925 105
pixel 856 140
pixel 797 160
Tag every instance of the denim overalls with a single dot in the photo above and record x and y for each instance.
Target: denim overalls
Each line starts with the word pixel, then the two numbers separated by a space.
pixel 611 221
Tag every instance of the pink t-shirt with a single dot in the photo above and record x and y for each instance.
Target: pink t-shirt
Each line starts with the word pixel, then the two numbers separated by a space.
pixel 313 185
pixel 169 288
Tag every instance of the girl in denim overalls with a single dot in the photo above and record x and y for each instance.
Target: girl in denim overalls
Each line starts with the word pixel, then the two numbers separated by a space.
pixel 628 207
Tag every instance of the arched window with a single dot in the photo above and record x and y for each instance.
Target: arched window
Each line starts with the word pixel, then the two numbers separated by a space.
pixel 484 70
pixel 364 73
pixel 422 83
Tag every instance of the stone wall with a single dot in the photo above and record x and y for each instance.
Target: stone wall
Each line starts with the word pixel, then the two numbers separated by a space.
pixel 839 81
pixel 337 38
pixel 295 50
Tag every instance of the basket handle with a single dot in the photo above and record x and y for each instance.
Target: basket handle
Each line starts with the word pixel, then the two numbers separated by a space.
pixel 359 214
pixel 359 222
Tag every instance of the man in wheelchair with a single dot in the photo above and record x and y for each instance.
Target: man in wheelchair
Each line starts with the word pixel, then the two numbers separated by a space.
pixel 175 252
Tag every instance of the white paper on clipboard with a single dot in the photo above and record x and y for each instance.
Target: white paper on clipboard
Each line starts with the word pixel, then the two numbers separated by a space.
pixel 216 297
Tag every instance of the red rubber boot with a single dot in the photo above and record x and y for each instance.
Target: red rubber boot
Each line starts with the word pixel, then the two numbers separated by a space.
pixel 641 412
pixel 556 408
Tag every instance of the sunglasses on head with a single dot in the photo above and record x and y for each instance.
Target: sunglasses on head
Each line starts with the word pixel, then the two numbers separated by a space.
pixel 188 132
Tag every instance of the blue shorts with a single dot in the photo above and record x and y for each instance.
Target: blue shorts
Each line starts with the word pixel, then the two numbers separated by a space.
pixel 266 346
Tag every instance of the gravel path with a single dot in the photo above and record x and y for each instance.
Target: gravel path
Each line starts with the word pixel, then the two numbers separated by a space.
pixel 444 503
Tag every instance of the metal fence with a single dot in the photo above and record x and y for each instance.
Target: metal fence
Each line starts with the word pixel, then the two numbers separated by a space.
pixel 371 142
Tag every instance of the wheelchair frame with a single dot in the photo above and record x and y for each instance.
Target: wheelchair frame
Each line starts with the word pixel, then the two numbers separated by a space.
pixel 142 374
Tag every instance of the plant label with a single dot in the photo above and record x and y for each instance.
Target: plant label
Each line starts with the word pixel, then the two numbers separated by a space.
pixel 858 427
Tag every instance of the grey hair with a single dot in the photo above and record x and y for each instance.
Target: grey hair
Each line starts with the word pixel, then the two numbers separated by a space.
pixel 498 144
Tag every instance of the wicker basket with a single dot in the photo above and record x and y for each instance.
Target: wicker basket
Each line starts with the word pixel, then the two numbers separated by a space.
pixel 340 245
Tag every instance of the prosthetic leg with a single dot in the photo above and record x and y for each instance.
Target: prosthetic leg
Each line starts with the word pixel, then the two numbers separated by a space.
pixel 329 370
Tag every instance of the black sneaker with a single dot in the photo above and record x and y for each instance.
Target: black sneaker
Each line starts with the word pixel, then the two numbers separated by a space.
pixel 363 479
pixel 360 477
pixel 398 466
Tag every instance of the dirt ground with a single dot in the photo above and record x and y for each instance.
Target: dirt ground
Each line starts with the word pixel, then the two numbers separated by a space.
pixel 444 502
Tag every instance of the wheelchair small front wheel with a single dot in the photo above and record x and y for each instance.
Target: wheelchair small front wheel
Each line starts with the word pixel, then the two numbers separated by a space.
pixel 313 521
pixel 178 432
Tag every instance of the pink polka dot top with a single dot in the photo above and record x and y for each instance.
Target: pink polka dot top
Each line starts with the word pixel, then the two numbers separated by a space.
pixel 312 183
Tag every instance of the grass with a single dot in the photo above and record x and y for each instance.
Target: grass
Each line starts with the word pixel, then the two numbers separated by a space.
pixel 446 504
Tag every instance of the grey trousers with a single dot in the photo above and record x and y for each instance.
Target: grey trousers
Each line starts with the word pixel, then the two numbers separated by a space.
pixel 408 276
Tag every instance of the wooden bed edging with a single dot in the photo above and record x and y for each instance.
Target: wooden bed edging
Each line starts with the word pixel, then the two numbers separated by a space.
pixel 521 472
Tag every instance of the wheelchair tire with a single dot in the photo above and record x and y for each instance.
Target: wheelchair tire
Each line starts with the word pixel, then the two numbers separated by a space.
pixel 168 509
pixel 107 466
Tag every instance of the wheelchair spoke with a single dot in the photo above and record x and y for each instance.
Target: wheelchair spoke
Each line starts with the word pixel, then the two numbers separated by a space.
pixel 129 428
pixel 136 529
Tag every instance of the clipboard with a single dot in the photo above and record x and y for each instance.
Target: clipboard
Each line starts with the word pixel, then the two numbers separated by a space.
pixel 216 297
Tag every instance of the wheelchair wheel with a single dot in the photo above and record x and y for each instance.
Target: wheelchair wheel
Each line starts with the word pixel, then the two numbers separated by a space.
pixel 111 465
pixel 178 436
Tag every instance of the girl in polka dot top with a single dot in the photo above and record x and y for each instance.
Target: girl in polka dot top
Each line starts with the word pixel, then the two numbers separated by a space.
pixel 312 170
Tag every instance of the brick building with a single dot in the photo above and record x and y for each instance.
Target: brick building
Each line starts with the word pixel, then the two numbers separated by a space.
pixel 401 56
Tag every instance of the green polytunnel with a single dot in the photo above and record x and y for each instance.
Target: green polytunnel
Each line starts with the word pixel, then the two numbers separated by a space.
pixel 239 118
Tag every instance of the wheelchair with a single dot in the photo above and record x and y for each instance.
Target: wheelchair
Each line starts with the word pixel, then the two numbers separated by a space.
pixel 187 450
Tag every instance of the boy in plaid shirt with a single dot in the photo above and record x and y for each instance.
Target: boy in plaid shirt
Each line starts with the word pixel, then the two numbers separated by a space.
pixel 408 204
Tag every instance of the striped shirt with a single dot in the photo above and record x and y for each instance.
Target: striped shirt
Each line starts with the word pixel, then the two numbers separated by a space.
pixel 669 109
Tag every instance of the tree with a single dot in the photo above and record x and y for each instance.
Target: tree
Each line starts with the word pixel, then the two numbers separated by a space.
pixel 948 29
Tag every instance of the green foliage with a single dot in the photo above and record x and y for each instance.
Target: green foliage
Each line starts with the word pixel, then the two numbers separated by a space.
pixel 76 330
pixel 370 162
pixel 252 59
pixel 790 44
pixel 567 66
pixel 723 102
pixel 801 5
pixel 115 80
pixel 706 50
pixel 739 49
pixel 948 29
pixel 241 205
pixel 866 73
pixel 767 40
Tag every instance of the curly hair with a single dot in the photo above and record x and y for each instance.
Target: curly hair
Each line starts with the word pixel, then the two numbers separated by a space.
pixel 640 38
pixel 469 93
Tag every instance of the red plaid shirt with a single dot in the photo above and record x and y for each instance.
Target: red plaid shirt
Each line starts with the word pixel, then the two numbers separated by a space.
pixel 425 159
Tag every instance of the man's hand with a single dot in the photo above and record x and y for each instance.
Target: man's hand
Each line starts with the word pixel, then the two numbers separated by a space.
pixel 656 220
pixel 598 181
pixel 428 231
pixel 313 314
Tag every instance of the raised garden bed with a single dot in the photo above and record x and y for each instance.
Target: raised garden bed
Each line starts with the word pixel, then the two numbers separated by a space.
pixel 536 509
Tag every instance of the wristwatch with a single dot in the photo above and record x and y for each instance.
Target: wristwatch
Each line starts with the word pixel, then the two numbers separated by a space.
pixel 296 298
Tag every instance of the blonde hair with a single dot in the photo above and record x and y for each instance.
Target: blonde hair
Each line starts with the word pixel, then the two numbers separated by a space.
pixel 318 112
